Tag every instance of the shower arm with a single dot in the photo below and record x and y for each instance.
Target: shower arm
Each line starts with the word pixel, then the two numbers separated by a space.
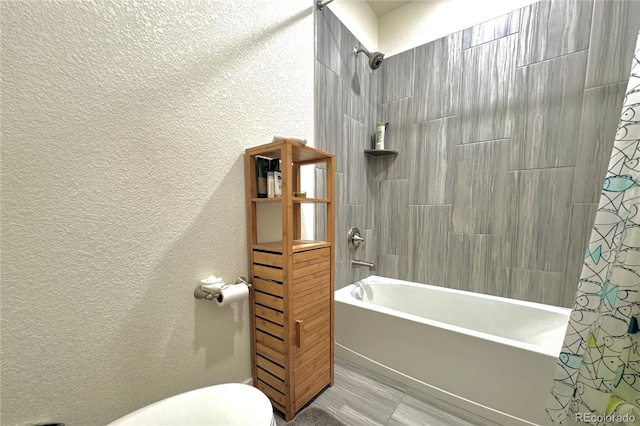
pixel 322 3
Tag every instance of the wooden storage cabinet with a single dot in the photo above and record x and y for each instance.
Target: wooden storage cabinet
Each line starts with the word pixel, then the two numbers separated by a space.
pixel 292 294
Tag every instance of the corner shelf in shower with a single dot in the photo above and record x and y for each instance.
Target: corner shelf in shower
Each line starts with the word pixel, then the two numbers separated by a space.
pixel 380 152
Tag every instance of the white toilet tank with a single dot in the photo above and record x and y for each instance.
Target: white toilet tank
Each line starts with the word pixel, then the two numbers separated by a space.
pixel 229 404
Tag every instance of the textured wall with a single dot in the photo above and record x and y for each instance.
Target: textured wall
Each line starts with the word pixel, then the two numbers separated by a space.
pixel 504 131
pixel 123 129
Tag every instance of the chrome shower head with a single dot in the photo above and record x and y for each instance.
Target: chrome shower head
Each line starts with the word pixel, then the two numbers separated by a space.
pixel 375 58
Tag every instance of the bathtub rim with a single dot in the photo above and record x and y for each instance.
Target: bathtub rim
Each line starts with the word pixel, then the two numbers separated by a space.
pixel 343 295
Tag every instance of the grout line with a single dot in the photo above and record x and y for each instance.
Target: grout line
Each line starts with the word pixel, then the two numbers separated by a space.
pixel 603 85
pixel 534 270
pixel 490 41
pixel 435 119
pixel 470 233
pixel 395 100
pixel 490 140
pixel 555 57
pixel 540 168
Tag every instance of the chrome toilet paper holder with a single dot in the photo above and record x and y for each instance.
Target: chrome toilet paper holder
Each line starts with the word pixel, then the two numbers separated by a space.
pixel 211 288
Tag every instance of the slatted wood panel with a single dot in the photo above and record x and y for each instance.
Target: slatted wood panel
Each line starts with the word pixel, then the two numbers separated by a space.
pixel 269 327
pixel 272 273
pixel 308 257
pixel 270 354
pixel 312 308
pixel 268 287
pixel 271 380
pixel 313 297
pixel 269 300
pixel 270 341
pixel 272 393
pixel 310 283
pixel 267 258
pixel 269 314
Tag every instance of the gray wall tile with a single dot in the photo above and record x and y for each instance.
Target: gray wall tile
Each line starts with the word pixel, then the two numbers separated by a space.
pixel 356 80
pixel 487 85
pixel 395 79
pixel 428 243
pixel 613 39
pixel 582 219
pixel 547 116
pixel 437 78
pixel 553 28
pixel 479 187
pixel 389 265
pixel 397 137
pixel 491 30
pixel 538 218
pixel 355 140
pixel 474 263
pixel 600 117
pixel 329 40
pixel 371 119
pixel 341 216
pixel 429 161
pixel 329 113
pixel 534 286
pixel 343 271
pixel 371 186
pixel 391 217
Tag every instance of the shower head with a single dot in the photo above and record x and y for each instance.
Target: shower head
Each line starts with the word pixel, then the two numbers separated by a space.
pixel 375 58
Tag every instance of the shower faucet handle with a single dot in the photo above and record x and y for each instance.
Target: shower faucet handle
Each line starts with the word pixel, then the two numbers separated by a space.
pixel 354 239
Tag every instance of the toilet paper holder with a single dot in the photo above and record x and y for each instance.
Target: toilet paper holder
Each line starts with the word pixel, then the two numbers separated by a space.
pixel 211 287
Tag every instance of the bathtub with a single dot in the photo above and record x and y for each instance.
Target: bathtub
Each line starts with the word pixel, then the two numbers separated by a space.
pixel 489 355
pixel 214 405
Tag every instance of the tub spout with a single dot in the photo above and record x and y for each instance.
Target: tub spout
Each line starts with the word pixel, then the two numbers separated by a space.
pixel 363 264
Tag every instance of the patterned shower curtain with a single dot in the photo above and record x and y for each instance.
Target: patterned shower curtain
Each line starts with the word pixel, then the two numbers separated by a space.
pixel 597 379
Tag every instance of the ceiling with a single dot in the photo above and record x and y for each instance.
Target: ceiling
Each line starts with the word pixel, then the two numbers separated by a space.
pixel 382 7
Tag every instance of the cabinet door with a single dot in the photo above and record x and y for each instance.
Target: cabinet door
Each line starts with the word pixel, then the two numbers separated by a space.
pixel 312 323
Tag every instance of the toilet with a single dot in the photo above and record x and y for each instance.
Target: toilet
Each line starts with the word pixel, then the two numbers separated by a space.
pixel 228 404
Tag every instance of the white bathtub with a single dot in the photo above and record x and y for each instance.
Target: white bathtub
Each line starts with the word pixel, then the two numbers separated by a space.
pixel 228 404
pixel 493 356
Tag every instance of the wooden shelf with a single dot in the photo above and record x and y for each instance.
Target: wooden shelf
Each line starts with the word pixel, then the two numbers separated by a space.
pixel 298 245
pixel 380 152
pixel 300 153
pixel 294 199
pixel 309 200
pixel 267 200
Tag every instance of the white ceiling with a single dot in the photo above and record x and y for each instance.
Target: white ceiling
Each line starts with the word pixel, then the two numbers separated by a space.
pixel 382 7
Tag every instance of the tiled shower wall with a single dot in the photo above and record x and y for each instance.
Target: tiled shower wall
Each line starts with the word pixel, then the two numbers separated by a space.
pixel 346 102
pixel 504 131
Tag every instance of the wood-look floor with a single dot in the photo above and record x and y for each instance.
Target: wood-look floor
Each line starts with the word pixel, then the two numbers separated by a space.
pixel 362 397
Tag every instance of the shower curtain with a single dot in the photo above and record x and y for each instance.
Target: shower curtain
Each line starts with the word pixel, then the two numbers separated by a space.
pixel 597 378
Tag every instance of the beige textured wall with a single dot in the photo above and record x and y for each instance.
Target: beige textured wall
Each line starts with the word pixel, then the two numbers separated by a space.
pixel 123 128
